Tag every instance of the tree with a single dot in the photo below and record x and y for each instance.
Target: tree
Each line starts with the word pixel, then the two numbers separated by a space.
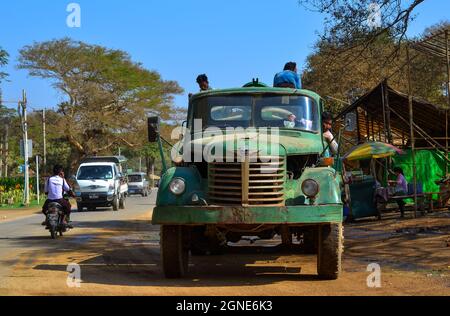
pixel 330 75
pixel 107 94
pixel 354 22
pixel 3 62
pixel 356 26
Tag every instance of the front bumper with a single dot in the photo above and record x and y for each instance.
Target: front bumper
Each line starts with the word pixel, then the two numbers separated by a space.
pixel 95 198
pixel 229 215
pixel 135 190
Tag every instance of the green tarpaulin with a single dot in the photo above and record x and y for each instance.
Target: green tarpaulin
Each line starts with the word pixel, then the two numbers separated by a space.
pixel 430 166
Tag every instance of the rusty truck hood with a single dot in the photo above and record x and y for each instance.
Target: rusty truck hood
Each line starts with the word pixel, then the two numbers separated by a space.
pixel 287 142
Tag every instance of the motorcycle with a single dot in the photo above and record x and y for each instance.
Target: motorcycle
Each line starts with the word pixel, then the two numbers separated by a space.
pixel 56 223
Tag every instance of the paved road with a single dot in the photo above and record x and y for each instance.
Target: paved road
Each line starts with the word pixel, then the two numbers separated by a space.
pixel 25 241
pixel 118 253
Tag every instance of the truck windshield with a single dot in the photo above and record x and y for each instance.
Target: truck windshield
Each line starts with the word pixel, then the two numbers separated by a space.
pixel 95 173
pixel 290 111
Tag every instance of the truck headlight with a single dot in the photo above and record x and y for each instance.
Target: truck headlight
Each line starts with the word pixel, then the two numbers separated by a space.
pixel 177 186
pixel 310 188
pixel 111 190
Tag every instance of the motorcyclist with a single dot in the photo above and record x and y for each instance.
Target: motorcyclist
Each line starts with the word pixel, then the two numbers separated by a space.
pixel 55 187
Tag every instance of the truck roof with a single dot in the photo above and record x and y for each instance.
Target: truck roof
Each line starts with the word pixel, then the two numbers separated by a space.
pixel 98 163
pixel 111 159
pixel 256 90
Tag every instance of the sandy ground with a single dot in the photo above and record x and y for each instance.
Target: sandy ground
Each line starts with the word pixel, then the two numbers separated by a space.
pixel 8 215
pixel 120 256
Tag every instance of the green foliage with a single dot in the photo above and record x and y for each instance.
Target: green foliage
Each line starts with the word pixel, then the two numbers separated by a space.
pixel 11 190
pixel 107 95
pixel 330 73
pixel 3 61
pixel 15 183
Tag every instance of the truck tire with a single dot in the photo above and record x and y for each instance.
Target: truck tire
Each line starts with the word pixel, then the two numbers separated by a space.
pixel 174 251
pixel 329 257
pixel 115 203
pixel 122 202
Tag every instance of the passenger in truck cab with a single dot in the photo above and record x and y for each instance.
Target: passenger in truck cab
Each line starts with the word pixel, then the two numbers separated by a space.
pixel 327 121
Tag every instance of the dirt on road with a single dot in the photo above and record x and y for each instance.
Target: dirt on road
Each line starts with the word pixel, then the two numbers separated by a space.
pixel 122 258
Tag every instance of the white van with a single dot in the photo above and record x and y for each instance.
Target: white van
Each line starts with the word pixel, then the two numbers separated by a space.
pixel 100 183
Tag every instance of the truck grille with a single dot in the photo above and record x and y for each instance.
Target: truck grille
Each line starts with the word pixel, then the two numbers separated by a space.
pixel 251 183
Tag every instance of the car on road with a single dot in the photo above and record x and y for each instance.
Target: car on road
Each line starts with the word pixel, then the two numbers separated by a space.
pixel 100 183
pixel 138 183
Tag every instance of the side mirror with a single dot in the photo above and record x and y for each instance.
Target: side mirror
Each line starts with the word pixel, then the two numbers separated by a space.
pixel 73 178
pixel 153 129
pixel 350 122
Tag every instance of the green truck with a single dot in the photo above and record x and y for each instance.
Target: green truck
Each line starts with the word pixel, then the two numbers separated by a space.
pixel 251 162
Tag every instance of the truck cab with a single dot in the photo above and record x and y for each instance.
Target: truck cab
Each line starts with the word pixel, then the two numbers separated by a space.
pixel 251 163
pixel 100 183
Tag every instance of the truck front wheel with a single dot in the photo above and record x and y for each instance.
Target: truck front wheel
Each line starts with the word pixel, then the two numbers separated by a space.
pixel 329 258
pixel 174 251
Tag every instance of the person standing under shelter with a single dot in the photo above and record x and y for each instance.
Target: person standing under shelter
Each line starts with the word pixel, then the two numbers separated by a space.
pixel 401 189
pixel 288 78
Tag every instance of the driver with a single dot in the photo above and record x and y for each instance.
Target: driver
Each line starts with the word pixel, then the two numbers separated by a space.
pixel 55 187
pixel 292 122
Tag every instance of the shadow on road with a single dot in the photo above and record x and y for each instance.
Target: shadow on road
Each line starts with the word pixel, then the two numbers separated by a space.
pixel 139 266
pixel 126 253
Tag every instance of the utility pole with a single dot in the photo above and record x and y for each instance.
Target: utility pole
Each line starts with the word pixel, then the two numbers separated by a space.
pixel 37 179
pixel 22 108
pixel 2 152
pixel 6 149
pixel 45 140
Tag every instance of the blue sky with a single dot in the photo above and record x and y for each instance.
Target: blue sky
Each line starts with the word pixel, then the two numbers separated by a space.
pixel 230 40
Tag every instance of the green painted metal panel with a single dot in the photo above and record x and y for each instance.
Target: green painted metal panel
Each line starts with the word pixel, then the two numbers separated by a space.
pixel 329 182
pixel 194 185
pixel 192 215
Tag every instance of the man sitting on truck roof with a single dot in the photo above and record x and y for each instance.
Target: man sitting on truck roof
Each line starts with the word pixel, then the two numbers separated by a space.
pixel 203 83
pixel 288 78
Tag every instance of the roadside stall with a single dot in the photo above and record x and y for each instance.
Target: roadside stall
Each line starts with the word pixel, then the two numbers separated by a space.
pixel 416 126
pixel 364 189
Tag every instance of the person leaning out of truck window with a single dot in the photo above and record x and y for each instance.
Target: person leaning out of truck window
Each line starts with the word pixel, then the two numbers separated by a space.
pixel 288 78
pixel 327 122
